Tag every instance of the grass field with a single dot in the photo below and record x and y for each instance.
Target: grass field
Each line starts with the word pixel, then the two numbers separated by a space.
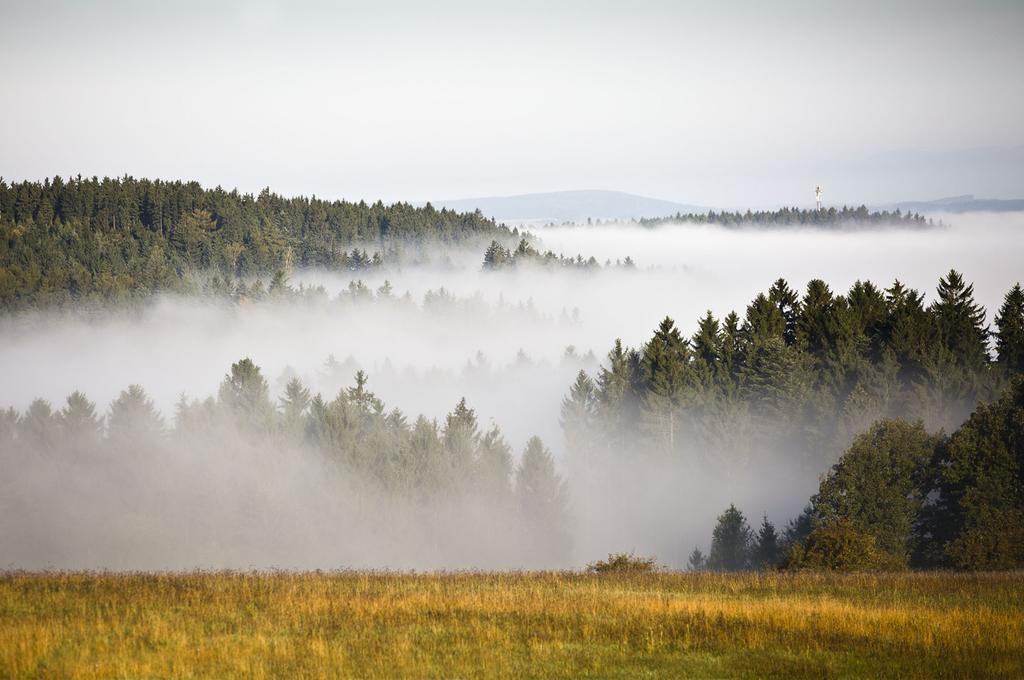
pixel 225 625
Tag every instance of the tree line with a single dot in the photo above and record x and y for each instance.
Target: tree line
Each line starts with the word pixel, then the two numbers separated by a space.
pixel 799 379
pixel 90 239
pixel 800 374
pixel 498 256
pixel 422 462
pixel 845 216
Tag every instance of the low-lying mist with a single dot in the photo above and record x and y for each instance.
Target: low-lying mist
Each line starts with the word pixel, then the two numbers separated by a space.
pixel 509 341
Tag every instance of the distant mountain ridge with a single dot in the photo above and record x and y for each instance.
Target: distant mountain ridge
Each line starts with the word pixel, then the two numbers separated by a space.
pixel 569 206
pixel 960 204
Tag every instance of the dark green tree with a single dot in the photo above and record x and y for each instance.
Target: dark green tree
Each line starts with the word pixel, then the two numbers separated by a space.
pixel 666 369
pixel 977 520
pixel 767 549
pixel 730 542
pixel 960 322
pixel 879 485
pixel 1010 331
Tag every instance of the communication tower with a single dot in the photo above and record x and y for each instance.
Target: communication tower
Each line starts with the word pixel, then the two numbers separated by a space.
pixel 817 196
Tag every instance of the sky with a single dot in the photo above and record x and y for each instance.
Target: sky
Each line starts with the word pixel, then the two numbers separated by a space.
pixel 726 104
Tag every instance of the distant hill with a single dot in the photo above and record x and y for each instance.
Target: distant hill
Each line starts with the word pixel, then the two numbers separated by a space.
pixel 959 204
pixel 569 206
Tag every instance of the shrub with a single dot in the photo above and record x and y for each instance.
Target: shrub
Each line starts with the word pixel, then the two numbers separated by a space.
pixel 623 563
pixel 840 546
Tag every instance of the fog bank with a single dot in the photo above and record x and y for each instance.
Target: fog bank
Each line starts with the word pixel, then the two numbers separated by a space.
pixel 498 338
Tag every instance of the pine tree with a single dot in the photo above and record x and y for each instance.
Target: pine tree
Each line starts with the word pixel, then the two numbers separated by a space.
pixel 707 352
pixel 906 330
pixel 868 309
pixel 959 322
pixel 494 467
pixel 461 438
pixel 543 500
pixel 496 256
pixel 39 428
pixel 815 324
pixel 294 403
pixel 787 302
pixel 763 323
pixel 730 542
pixel 666 369
pixel 696 561
pixel 579 418
pixel 767 553
pixel 133 421
pixel 245 394
pixel 619 385
pixel 82 428
pixel 1010 333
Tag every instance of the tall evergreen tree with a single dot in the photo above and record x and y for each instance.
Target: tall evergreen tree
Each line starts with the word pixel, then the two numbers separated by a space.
pixel 960 322
pixel 730 542
pixel 133 420
pixel 767 551
pixel 788 303
pixel 543 499
pixel 245 393
pixel 579 418
pixel 461 437
pixel 666 369
pixel 82 428
pixel 1010 331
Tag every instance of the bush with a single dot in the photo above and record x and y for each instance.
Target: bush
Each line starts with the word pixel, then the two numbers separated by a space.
pixel 840 546
pixel 623 563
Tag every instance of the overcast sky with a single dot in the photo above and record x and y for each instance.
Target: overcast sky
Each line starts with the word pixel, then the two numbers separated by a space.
pixel 713 103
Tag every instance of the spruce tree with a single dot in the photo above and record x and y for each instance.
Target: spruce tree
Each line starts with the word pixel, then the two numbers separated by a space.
pixel 960 322
pixel 788 304
pixel 707 351
pixel 494 467
pixel 1010 331
pixel 133 421
pixel 579 418
pixel 666 369
pixel 82 427
pixel 543 500
pixel 461 437
pixel 245 394
pixel 767 551
pixel 730 542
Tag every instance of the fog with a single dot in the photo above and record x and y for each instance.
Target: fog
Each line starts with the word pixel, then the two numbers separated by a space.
pixel 498 338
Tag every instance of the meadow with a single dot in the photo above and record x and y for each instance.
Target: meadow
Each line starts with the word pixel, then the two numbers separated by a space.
pixel 529 624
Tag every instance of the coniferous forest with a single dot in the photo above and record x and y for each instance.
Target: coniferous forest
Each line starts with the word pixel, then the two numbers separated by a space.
pixel 907 408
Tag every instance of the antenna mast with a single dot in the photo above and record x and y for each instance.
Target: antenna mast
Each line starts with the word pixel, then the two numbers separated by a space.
pixel 817 196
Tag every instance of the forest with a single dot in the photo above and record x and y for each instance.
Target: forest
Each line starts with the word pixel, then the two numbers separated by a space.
pixel 834 218
pixel 873 378
pixel 90 241
pixel 864 385
pixel 80 240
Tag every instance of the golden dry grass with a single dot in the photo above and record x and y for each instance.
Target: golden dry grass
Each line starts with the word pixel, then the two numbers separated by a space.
pixel 224 625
